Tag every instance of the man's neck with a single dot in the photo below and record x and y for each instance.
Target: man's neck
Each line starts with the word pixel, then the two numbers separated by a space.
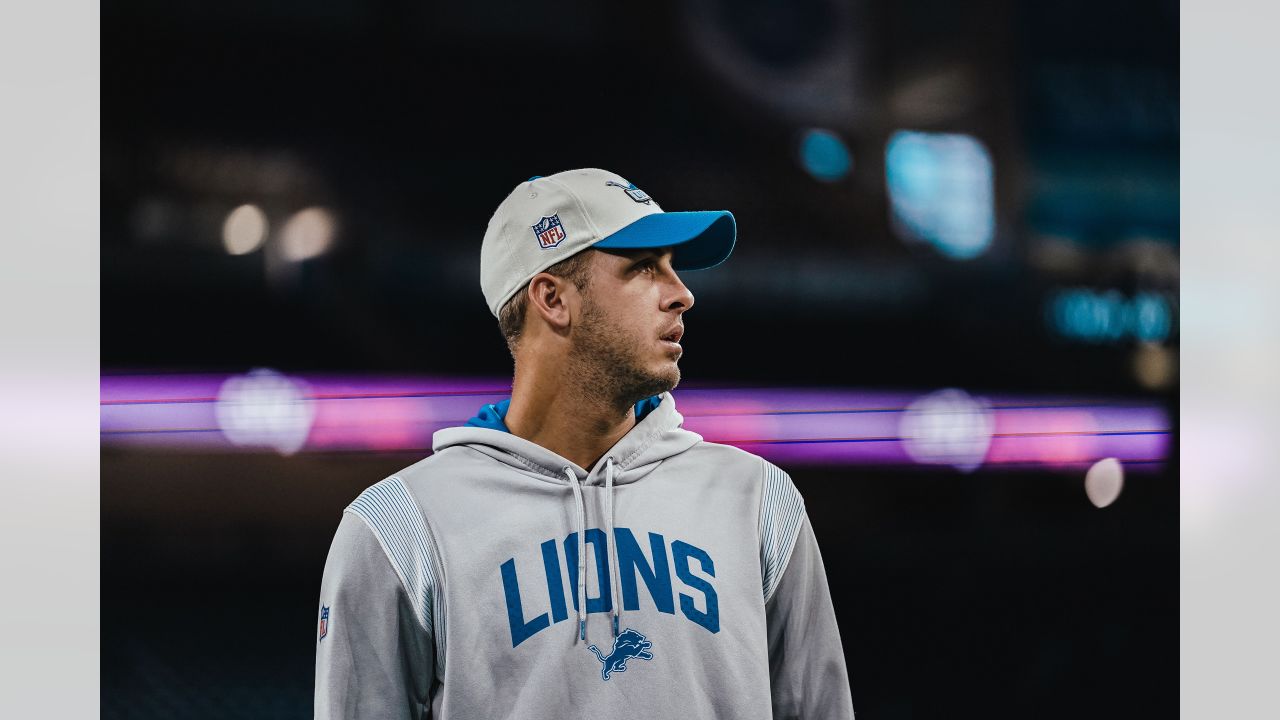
pixel 558 416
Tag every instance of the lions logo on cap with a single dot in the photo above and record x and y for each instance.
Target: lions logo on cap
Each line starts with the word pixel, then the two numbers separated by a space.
pixel 634 192
pixel 549 231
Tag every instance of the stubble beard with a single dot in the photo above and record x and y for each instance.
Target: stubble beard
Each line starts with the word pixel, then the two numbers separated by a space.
pixel 604 363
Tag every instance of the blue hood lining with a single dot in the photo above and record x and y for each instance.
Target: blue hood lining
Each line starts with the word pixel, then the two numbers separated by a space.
pixel 493 416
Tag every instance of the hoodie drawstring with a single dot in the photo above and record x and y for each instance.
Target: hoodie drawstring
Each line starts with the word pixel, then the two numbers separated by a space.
pixel 614 587
pixel 613 546
pixel 582 554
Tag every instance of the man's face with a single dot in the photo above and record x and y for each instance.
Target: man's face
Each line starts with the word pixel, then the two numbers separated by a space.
pixel 626 342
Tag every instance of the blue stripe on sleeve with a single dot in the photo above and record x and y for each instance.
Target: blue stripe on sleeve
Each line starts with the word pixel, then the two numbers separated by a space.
pixel 401 529
pixel 781 511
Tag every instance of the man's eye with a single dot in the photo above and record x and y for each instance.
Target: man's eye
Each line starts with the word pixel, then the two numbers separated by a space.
pixel 646 265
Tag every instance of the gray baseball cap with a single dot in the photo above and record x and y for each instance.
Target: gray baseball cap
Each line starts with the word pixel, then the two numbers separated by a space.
pixel 548 219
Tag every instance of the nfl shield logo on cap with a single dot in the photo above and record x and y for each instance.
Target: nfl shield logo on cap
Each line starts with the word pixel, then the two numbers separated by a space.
pixel 549 231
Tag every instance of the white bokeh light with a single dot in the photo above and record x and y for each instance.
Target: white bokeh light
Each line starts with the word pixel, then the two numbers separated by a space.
pixel 308 234
pixel 1104 481
pixel 265 409
pixel 244 230
pixel 948 427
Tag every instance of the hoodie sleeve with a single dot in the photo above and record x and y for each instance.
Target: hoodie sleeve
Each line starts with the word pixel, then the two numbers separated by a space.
pixel 374 656
pixel 807 671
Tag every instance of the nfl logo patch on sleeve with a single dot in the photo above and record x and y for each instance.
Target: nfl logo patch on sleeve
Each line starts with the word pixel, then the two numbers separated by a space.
pixel 324 621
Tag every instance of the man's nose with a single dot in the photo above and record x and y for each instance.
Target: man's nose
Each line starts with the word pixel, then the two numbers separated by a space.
pixel 682 297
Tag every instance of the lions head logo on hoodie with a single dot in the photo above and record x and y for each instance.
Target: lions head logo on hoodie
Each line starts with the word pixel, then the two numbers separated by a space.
pixel 630 644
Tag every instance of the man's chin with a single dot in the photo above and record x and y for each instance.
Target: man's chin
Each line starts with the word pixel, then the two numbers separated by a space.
pixel 655 384
pixel 666 383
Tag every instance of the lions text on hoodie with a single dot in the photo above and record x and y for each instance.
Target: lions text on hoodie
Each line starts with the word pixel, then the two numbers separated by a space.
pixel 495 579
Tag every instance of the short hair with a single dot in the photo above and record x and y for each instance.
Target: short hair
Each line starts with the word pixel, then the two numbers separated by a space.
pixel 576 269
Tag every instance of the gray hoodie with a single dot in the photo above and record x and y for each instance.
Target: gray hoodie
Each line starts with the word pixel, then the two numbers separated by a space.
pixel 456 588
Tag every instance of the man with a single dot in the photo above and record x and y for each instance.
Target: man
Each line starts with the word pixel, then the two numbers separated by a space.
pixel 572 552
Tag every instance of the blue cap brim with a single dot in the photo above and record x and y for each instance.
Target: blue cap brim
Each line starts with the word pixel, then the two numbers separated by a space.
pixel 700 239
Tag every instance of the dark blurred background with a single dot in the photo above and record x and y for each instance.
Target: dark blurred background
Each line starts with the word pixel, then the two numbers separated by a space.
pixel 928 195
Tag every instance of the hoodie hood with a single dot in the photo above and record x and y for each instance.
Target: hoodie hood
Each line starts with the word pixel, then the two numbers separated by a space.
pixel 656 436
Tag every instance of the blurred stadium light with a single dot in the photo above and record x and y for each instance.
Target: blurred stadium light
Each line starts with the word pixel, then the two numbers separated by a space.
pixel 265 409
pixel 825 155
pixel 942 191
pixel 1155 366
pixel 1108 316
pixel 948 427
pixel 1104 481
pixel 308 234
pixel 244 230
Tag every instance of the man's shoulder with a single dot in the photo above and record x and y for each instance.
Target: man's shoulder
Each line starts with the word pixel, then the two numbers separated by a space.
pixel 416 479
pixel 437 466
pixel 730 456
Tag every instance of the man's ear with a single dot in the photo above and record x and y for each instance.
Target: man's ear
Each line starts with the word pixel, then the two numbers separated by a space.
pixel 551 298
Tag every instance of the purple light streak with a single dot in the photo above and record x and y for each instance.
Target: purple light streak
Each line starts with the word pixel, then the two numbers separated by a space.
pixel 802 426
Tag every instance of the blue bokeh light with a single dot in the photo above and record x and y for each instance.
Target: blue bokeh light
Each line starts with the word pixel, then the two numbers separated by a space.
pixel 1108 316
pixel 942 191
pixel 825 155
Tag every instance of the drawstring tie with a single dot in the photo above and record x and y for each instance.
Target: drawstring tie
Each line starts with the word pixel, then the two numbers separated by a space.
pixel 613 546
pixel 580 506
pixel 582 554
